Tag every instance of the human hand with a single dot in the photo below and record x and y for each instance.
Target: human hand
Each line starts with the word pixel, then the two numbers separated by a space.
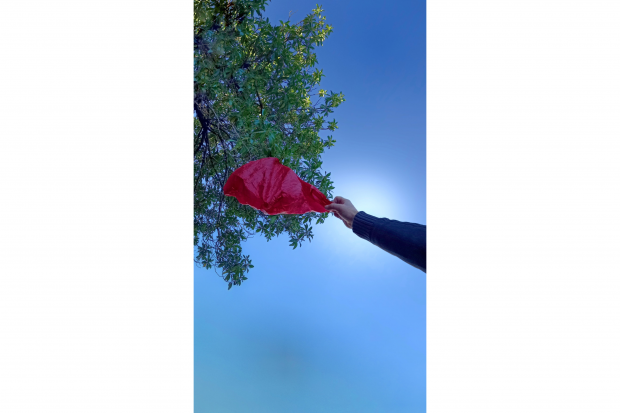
pixel 344 210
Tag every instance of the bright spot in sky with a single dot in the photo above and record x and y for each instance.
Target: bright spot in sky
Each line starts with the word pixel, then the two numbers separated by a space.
pixel 372 194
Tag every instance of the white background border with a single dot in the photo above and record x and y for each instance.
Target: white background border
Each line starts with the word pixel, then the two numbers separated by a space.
pixel 523 178
pixel 96 304
pixel 96 268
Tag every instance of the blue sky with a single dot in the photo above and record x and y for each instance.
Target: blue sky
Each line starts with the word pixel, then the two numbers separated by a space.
pixel 336 325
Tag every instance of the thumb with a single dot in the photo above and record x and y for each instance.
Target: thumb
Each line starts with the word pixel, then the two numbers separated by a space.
pixel 331 207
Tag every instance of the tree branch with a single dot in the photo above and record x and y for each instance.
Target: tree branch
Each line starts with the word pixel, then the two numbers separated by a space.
pixel 260 102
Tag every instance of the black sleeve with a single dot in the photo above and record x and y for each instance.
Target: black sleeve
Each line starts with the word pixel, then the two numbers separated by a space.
pixel 404 240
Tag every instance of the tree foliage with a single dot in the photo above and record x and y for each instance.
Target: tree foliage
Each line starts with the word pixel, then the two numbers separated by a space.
pixel 254 86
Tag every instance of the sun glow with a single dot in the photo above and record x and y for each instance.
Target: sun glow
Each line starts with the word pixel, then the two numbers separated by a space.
pixel 371 194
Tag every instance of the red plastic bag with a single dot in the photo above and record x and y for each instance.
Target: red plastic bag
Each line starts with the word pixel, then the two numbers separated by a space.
pixel 273 188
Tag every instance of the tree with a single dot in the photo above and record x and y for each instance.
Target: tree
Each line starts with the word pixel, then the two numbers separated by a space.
pixel 253 84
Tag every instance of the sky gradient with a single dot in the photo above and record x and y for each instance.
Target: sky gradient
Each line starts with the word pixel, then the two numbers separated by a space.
pixel 336 325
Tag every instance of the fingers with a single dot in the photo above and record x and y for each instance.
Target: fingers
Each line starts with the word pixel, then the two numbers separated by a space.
pixel 340 207
pixel 337 202
pixel 340 217
pixel 344 221
pixel 333 207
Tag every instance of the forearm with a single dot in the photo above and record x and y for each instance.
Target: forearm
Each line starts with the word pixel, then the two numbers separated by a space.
pixel 404 240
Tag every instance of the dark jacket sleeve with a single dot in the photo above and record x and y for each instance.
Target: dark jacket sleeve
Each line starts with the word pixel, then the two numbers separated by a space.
pixel 404 240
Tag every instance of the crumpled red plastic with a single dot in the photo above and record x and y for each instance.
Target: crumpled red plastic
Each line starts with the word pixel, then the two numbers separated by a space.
pixel 269 186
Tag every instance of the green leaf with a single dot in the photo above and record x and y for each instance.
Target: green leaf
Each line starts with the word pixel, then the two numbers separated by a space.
pixel 283 73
